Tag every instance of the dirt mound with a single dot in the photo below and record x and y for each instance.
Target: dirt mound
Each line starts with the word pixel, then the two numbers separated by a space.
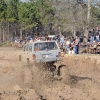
pixel 82 65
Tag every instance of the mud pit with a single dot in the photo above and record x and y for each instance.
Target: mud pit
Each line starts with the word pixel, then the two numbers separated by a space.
pixel 18 82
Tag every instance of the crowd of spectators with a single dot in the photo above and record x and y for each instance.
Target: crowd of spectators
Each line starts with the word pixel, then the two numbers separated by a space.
pixel 69 44
pixel 94 35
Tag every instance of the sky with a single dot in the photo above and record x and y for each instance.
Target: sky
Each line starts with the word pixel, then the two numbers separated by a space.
pixel 24 0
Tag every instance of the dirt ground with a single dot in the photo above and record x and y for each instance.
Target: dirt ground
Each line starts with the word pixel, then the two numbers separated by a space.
pixel 19 81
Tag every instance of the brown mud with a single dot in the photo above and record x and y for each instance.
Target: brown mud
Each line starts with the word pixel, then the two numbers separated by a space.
pixel 19 81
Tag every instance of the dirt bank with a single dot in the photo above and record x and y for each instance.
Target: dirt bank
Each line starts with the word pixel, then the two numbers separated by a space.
pixel 16 82
pixel 83 65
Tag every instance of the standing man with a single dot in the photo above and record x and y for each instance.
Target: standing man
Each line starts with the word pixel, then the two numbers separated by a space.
pixel 97 31
pixel 61 41
pixel 92 36
pixel 77 45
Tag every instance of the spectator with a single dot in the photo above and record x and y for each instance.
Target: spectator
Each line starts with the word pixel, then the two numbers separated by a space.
pixel 61 41
pixel 76 45
pixel 97 31
pixel 92 36
pixel 93 47
pixel 31 40
pixel 97 38
pixel 67 44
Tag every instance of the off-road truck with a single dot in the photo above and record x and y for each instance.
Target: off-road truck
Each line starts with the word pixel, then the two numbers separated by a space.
pixel 46 54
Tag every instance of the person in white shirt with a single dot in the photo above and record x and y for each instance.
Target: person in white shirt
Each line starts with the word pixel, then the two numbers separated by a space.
pixel 67 44
pixel 31 40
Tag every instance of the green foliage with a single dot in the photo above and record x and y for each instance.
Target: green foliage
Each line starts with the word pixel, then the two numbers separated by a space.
pixel 30 13
pixel 3 11
pixel 9 10
pixel 13 9
pixel 27 14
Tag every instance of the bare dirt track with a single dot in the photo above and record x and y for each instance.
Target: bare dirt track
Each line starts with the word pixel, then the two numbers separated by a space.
pixel 15 85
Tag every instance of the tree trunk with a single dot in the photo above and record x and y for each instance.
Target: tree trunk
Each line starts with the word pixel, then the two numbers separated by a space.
pixel 0 33
pixel 3 35
pixel 21 34
pixel 8 36
pixel 73 30
pixel 88 13
pixel 88 18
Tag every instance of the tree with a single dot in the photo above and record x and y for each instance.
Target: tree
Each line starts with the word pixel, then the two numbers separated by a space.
pixel 3 11
pixel 12 10
pixel 34 14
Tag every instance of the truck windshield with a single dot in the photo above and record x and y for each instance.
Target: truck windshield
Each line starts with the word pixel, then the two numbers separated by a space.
pixel 45 46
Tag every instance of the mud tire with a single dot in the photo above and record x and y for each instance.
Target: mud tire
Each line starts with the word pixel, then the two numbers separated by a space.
pixel 64 74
